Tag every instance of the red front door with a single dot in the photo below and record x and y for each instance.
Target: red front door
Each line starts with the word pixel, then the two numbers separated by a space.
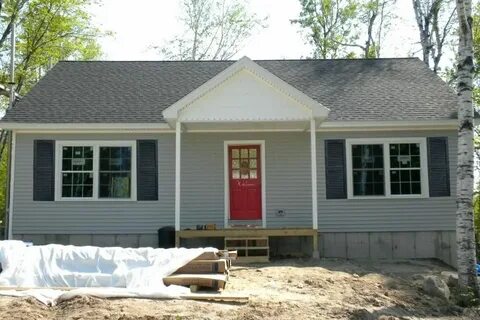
pixel 245 182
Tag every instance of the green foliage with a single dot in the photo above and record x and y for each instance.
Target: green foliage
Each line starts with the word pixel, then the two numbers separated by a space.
pixel 476 220
pixel 49 31
pixel 336 27
pixel 330 24
pixel 213 30
pixel 3 182
pixel 476 53
pixel 465 297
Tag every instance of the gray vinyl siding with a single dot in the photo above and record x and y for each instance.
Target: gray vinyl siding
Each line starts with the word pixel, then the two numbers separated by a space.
pixel 287 175
pixel 288 187
pixel 92 216
pixel 358 215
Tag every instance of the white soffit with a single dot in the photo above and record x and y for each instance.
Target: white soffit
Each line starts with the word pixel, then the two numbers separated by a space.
pixel 245 92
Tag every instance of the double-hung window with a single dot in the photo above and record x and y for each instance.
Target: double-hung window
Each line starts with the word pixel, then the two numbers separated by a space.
pixel 379 167
pixel 96 170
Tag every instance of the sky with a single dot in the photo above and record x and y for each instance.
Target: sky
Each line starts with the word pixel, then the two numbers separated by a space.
pixel 138 25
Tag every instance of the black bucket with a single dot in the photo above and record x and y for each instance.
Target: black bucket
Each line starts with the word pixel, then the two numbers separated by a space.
pixel 166 237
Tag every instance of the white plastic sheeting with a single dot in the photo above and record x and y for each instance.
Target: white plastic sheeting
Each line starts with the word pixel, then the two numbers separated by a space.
pixel 101 272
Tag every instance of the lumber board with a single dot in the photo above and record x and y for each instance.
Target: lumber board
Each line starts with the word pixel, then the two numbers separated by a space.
pixel 190 296
pixel 208 255
pixel 253 259
pixel 253 232
pixel 221 254
pixel 216 297
pixel 204 266
pixel 216 281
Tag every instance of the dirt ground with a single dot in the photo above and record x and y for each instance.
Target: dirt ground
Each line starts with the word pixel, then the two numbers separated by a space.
pixel 285 289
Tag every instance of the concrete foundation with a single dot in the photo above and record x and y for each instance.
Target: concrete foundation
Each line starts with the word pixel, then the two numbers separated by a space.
pixel 349 245
pixel 390 245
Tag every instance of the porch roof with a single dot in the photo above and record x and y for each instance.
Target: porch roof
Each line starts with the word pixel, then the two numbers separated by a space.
pixel 245 93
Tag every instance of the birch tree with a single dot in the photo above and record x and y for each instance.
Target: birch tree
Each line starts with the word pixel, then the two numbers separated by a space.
pixel 214 30
pixel 466 258
pixel 435 21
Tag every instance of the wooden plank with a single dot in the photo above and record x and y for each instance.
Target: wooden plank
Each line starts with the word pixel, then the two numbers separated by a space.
pixel 216 297
pixel 215 281
pixel 204 266
pixel 189 296
pixel 246 233
pixel 208 255
pixel 253 259
pixel 220 254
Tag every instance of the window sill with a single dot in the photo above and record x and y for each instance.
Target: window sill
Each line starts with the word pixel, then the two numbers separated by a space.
pixel 94 200
pixel 420 196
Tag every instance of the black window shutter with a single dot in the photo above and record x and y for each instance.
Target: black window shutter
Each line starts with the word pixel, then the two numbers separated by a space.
pixel 147 170
pixel 335 171
pixel 438 167
pixel 44 170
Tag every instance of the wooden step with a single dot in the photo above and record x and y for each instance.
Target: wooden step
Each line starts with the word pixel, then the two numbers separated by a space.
pixel 220 254
pixel 249 249
pixel 204 266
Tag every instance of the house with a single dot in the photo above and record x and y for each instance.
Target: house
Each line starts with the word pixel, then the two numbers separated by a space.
pixel 361 152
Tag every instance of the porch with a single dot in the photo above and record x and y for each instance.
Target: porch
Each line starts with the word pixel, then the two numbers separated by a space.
pixel 243 101
pixel 250 233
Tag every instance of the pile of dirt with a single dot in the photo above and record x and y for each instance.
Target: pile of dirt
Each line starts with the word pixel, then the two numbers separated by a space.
pixel 285 289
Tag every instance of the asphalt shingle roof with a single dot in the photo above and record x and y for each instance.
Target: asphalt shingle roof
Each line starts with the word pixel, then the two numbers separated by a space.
pixel 138 91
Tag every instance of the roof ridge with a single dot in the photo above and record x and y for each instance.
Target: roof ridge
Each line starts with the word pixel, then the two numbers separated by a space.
pixel 259 60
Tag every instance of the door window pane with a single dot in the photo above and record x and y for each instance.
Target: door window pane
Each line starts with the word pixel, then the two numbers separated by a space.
pixel 236 174
pixel 368 170
pixel 235 153
pixel 115 172
pixel 235 164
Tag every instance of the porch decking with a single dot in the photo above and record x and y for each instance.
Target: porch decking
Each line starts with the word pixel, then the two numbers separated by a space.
pixel 251 233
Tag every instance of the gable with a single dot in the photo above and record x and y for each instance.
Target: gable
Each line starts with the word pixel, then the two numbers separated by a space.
pixel 245 97
pixel 245 92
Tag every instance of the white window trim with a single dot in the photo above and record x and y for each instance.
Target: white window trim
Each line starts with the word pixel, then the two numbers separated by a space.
pixel 96 144
pixel 386 153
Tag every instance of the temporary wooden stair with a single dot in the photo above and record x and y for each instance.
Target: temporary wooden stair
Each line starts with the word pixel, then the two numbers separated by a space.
pixel 208 271
pixel 249 249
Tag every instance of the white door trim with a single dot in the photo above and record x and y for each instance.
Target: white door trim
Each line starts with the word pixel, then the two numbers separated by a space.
pixel 227 180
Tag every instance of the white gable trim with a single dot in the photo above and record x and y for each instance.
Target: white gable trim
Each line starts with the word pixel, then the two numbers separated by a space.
pixel 313 108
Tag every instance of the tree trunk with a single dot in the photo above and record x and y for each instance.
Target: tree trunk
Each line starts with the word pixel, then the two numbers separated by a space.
pixel 466 258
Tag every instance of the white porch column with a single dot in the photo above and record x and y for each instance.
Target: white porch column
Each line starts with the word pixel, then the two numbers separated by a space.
pixel 313 150
pixel 178 139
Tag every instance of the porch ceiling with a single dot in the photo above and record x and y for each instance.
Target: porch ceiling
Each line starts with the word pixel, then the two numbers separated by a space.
pixel 298 125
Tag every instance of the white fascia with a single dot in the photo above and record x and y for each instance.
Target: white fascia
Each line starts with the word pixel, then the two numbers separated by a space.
pixel 84 126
